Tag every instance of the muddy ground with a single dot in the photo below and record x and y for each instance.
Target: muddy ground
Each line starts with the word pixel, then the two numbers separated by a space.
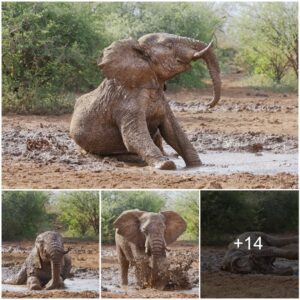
pixel 84 280
pixel 248 141
pixel 182 255
pixel 219 284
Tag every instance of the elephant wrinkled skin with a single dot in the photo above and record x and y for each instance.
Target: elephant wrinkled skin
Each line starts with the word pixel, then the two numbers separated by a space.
pixel 141 241
pixel 129 113
pixel 262 261
pixel 47 265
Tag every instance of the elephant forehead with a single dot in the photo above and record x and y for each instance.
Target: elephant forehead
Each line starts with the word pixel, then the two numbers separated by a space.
pixel 50 235
pixel 152 218
pixel 156 38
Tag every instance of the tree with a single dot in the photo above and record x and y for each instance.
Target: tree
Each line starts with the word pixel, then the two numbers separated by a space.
pixel 48 50
pixel 268 34
pixel 23 214
pixel 79 211
pixel 187 205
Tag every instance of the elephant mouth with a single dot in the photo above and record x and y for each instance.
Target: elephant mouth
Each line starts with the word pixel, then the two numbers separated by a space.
pixel 182 62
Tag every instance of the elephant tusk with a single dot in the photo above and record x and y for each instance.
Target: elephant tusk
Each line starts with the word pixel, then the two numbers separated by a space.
pixel 199 54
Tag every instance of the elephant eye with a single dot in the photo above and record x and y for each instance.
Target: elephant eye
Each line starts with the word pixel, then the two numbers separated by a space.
pixel 144 230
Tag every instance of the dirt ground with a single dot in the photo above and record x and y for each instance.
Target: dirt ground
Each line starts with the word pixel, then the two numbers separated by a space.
pixel 219 284
pixel 84 281
pixel 182 254
pixel 249 140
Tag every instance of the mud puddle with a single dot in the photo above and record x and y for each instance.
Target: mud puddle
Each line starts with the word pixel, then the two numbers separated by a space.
pixel 251 152
pixel 72 285
pixel 183 281
pixel 228 162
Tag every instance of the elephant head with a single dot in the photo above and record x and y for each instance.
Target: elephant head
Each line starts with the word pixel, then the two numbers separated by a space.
pixel 150 232
pixel 261 260
pixel 155 58
pixel 49 248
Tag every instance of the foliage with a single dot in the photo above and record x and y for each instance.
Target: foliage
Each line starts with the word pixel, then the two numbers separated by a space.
pixel 187 205
pixel 268 34
pixel 79 212
pixel 23 214
pixel 227 213
pixel 113 203
pixel 47 50
pixel 50 49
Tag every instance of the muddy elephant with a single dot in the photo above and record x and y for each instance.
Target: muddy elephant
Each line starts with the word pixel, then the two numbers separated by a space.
pixel 47 265
pixel 242 260
pixel 141 242
pixel 128 114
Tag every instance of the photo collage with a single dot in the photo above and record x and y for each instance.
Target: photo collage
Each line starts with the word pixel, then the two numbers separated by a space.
pixel 149 150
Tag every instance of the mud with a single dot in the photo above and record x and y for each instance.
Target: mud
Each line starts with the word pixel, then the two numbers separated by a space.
pixel 84 280
pixel 219 284
pixel 183 281
pixel 250 140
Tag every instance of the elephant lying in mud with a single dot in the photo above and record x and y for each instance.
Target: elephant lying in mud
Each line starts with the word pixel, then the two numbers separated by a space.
pixel 128 114
pixel 141 241
pixel 262 261
pixel 47 265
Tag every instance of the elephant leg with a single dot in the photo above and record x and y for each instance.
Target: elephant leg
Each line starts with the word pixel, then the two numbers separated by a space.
pixel 20 278
pixel 137 139
pixel 277 252
pixel 66 269
pixel 124 264
pixel 279 242
pixel 177 139
pixel 158 141
pixel 34 283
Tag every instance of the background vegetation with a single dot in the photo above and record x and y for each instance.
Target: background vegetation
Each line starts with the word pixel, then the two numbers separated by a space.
pixel 25 214
pixel 50 49
pixel 115 202
pixel 227 213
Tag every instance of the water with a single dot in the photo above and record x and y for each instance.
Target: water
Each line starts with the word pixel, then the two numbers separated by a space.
pixel 72 285
pixel 232 162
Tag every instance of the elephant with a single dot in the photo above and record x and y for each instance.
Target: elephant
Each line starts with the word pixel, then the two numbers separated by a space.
pixel 141 242
pixel 128 114
pixel 242 260
pixel 47 265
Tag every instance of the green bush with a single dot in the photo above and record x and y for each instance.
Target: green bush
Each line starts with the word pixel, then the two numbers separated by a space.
pixel 47 50
pixel 23 214
pixel 227 213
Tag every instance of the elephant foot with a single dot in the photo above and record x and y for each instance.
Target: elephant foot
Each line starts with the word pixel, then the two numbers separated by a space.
pixel 54 285
pixel 165 165
pixel 35 287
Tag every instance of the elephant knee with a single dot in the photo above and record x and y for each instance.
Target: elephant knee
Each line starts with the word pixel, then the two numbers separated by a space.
pixel 33 283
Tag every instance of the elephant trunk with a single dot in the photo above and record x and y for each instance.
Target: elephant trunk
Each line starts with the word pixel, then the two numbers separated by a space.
pixel 56 255
pixel 205 52
pixel 158 248
pixel 55 273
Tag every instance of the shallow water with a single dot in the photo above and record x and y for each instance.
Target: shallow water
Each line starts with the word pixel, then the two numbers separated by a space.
pixel 72 285
pixel 232 162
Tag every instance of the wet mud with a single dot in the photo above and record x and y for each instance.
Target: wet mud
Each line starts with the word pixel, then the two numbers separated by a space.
pixel 220 284
pixel 183 275
pixel 83 282
pixel 250 140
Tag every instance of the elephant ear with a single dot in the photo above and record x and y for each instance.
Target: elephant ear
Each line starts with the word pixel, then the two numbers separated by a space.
pixel 127 63
pixel 128 225
pixel 175 226
pixel 36 258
